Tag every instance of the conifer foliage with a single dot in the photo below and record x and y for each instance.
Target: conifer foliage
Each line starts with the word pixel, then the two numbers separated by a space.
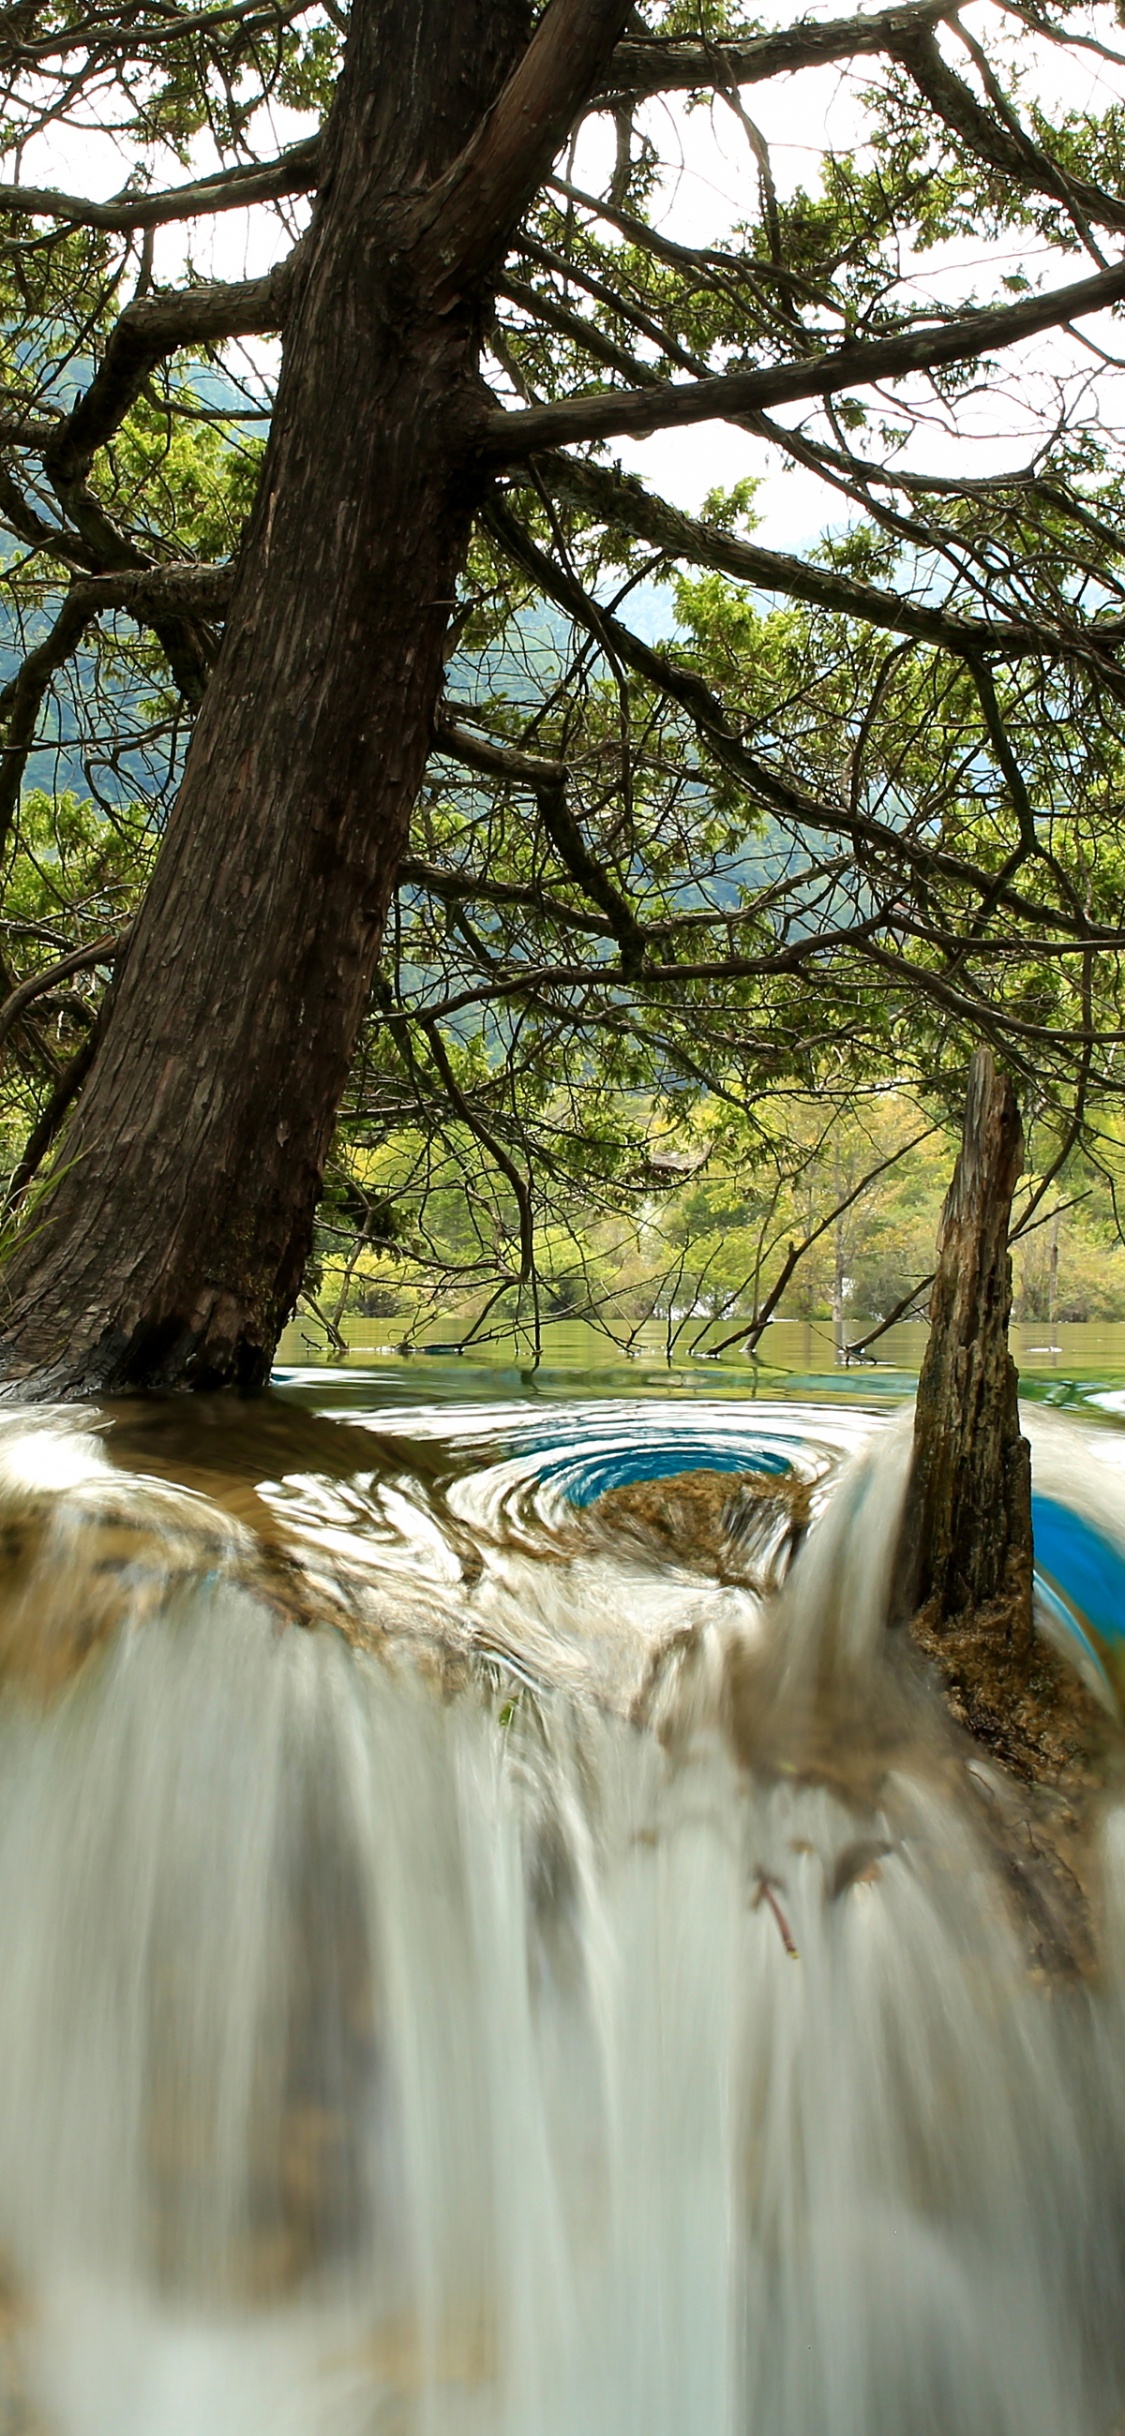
pixel 386 757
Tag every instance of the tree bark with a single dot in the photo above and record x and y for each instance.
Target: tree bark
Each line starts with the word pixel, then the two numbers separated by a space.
pixel 964 1576
pixel 966 1531
pixel 171 1247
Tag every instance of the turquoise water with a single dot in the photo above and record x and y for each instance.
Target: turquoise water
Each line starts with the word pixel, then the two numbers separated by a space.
pixel 1086 1564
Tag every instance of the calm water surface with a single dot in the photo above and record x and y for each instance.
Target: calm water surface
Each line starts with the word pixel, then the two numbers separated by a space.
pixel 796 1357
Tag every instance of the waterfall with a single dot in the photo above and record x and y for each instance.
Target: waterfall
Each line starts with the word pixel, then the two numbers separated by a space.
pixel 602 2032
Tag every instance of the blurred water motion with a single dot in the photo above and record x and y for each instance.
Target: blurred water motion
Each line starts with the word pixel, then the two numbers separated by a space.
pixel 492 1950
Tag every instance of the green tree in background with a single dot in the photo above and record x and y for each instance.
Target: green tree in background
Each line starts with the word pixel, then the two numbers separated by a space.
pixel 437 806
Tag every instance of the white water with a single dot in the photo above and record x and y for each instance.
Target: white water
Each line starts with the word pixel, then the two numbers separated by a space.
pixel 379 2056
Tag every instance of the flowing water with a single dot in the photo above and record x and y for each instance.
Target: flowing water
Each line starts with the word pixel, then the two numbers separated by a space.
pixel 489 1947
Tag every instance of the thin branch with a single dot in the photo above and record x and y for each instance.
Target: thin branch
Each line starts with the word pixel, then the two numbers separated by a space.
pixel 23 699
pixel 862 1342
pixel 901 1308
pixel 495 1149
pixel 65 1088
pixel 548 780
pixel 584 334
pixel 166 598
pixel 766 785
pixel 106 37
pixel 80 960
pixel 751 1332
pixel 997 137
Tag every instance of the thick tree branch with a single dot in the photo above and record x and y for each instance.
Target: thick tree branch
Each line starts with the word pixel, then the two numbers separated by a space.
pixel 151 328
pixel 91 541
pixel 652 66
pixel 506 436
pixel 154 594
pixel 494 760
pixel 1004 146
pixel 470 212
pixel 455 887
pixel 293 172
pixel 174 615
pixel 25 431
pixel 620 500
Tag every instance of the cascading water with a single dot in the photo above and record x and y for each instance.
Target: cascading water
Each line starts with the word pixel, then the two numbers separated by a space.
pixel 465 1971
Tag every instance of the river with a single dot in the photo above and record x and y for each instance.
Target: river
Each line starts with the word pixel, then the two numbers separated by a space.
pixel 497 1942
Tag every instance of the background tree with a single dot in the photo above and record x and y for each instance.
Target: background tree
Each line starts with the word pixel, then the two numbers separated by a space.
pixel 855 810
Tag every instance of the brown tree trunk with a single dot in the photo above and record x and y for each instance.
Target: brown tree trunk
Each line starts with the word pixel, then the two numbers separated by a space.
pixel 964 1577
pixel 172 1246
pixel 966 1534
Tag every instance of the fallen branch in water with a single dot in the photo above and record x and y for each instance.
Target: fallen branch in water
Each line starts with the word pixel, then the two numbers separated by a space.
pixel 764 1893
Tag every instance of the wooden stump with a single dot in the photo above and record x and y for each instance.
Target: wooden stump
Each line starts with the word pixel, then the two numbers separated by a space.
pixel 966 1534
pixel 963 1577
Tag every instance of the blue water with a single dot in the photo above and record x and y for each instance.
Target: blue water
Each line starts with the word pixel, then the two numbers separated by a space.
pixel 612 1470
pixel 1073 1556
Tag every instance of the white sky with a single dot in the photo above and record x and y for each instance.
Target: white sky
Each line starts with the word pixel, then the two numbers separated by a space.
pixel 709 185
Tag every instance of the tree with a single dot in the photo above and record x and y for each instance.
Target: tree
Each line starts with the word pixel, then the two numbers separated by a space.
pixel 832 839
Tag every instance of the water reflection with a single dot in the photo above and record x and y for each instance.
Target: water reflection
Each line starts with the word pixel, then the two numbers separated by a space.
pixel 792 1353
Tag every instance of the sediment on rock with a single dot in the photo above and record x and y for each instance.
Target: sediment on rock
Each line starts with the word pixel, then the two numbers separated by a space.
pixel 741 1526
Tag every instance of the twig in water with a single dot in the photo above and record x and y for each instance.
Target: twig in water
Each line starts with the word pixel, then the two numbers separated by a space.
pixel 765 1893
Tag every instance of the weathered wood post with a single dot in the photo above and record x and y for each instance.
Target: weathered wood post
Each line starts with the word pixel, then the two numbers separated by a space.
pixel 963 1580
pixel 965 1553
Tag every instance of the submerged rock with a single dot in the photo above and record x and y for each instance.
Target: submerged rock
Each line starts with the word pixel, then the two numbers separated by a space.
pixel 741 1526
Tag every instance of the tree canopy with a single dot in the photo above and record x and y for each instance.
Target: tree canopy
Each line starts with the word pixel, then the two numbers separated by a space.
pixel 706 824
